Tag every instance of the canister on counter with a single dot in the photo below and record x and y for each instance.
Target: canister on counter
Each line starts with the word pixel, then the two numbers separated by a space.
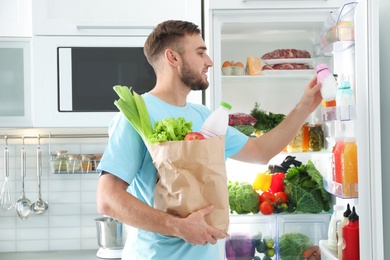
pixel 316 134
pixel 60 160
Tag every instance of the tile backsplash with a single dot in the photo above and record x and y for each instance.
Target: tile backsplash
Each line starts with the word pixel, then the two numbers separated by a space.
pixel 69 222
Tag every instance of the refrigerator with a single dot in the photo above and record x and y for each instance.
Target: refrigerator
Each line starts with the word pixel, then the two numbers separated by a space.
pixel 235 30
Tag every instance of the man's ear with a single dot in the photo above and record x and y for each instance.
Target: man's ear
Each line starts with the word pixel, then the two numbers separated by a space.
pixel 172 57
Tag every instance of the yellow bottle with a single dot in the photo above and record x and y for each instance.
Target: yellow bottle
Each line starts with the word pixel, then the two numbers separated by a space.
pixel 349 168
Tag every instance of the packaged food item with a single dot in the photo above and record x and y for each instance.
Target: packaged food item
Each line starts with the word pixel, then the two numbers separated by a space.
pixel 349 167
pixel 253 65
pixel 350 249
pixel 241 119
pixel 286 54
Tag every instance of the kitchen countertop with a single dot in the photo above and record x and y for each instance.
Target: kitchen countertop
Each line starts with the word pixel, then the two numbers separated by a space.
pixel 51 255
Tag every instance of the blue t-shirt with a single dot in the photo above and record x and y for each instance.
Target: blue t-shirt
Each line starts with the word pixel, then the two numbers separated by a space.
pixel 127 157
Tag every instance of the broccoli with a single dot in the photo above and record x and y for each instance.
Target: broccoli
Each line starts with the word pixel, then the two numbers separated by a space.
pixel 243 199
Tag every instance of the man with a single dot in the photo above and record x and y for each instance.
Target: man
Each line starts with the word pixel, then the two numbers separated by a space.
pixel 177 52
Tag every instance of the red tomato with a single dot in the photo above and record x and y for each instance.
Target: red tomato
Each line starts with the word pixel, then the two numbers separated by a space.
pixel 194 136
pixel 281 197
pixel 267 196
pixel 266 208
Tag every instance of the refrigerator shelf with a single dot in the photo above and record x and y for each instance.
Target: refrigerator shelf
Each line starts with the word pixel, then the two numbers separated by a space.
pixel 272 74
pixel 327 254
pixel 341 190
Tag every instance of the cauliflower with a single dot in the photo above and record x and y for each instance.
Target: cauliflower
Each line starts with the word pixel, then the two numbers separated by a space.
pixel 243 199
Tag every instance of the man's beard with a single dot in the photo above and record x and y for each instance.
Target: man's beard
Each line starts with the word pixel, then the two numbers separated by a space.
pixel 191 79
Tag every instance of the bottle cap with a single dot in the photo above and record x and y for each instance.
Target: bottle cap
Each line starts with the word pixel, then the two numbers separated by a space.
pixel 347 212
pixel 353 216
pixel 321 66
pixel 224 104
pixel 345 84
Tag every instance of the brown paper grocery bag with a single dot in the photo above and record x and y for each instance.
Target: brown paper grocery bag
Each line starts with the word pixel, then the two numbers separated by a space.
pixel 191 176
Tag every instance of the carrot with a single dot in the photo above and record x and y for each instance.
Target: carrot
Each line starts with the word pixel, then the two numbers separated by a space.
pixel 310 251
pixel 318 254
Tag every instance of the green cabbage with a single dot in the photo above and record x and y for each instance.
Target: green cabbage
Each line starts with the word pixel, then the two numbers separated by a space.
pixel 292 245
pixel 305 189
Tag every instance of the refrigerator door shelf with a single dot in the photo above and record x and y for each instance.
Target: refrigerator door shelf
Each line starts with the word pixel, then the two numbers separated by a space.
pixel 326 253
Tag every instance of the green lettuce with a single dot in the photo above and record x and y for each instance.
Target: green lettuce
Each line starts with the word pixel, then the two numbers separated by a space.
pixel 170 129
pixel 305 189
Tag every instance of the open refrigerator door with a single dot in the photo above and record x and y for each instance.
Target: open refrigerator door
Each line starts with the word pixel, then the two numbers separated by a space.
pixel 332 36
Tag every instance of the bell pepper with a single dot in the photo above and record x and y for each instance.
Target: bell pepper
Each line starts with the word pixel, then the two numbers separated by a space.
pixel 277 182
pixel 262 181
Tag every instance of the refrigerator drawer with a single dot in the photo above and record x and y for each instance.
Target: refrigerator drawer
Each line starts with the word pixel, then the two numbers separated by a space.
pixel 298 232
pixel 248 232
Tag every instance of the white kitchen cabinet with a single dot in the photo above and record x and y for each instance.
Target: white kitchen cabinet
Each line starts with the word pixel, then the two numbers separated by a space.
pixel 15 88
pixel 116 17
pixel 15 18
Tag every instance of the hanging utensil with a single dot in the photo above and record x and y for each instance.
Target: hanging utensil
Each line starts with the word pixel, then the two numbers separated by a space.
pixel 23 204
pixel 5 197
pixel 40 206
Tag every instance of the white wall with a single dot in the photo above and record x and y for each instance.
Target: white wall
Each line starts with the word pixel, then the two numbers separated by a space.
pixel 69 223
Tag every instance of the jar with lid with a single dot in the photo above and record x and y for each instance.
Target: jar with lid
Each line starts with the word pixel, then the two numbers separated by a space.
pixel 296 144
pixel 87 163
pixel 316 137
pixel 60 160
pixel 96 158
pixel 73 163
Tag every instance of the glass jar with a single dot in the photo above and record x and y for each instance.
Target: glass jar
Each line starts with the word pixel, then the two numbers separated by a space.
pixel 296 144
pixel 87 163
pixel 96 158
pixel 316 134
pixel 60 160
pixel 73 163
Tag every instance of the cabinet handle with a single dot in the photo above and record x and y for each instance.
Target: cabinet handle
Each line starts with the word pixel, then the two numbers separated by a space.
pixel 116 27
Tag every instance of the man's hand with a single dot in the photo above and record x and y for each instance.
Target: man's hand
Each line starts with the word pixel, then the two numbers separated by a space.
pixel 194 229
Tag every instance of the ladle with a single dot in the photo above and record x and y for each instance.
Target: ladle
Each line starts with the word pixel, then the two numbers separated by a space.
pixel 5 197
pixel 23 204
pixel 40 206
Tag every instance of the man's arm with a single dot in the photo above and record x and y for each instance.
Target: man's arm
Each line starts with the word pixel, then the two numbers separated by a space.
pixel 114 200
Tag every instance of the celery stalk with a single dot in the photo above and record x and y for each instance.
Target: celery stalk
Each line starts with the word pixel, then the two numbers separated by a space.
pixel 134 109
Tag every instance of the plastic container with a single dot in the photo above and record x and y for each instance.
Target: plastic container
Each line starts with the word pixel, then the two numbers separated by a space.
pixel 336 160
pixel 340 226
pixel 253 228
pixel 350 235
pixel 337 216
pixel 329 84
pixel 216 124
pixel 349 167
pixel 345 101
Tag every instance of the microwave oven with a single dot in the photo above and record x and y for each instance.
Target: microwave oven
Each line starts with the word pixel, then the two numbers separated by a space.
pixel 73 78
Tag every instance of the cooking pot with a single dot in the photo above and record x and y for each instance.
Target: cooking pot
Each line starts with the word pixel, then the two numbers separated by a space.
pixel 111 233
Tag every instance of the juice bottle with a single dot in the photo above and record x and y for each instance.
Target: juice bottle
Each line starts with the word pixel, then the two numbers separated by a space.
pixel 336 160
pixel 349 167
pixel 305 137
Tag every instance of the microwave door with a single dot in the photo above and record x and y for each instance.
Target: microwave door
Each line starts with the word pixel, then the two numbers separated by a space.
pixel 65 79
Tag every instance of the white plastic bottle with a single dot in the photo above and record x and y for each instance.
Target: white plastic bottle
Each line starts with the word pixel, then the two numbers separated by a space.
pixel 345 101
pixel 329 84
pixel 340 225
pixel 337 216
pixel 217 122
